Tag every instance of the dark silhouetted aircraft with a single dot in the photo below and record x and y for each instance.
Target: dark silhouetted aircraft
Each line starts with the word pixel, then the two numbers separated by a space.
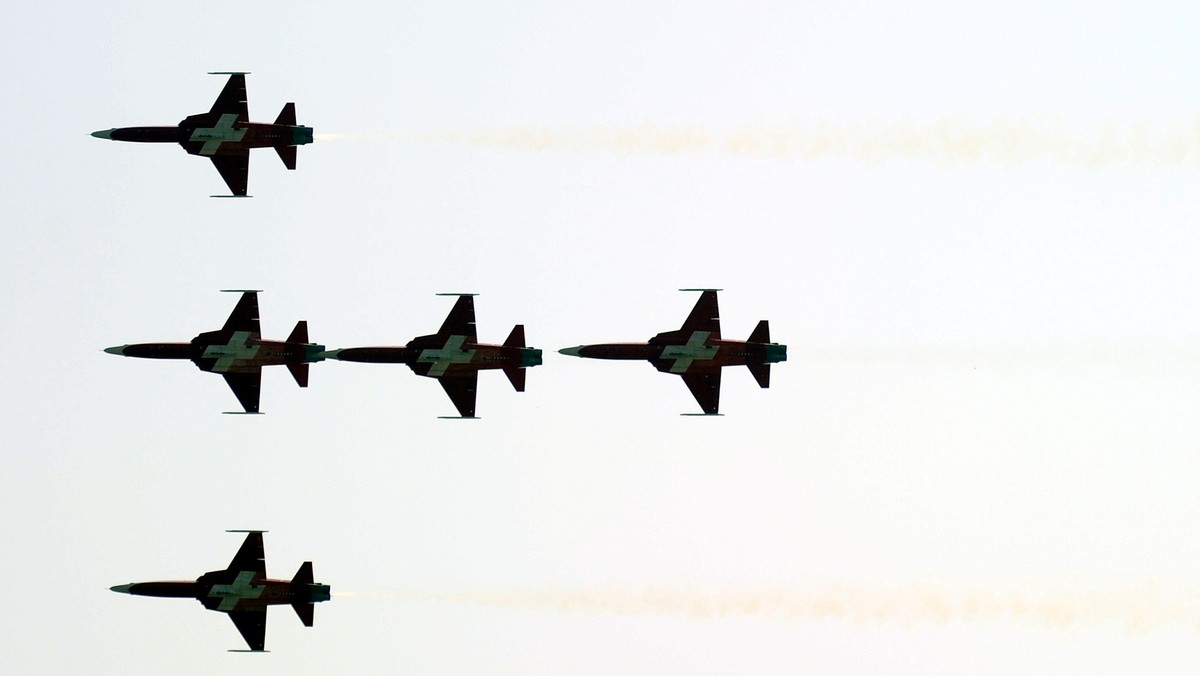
pixel 238 352
pixel 243 590
pixel 697 353
pixel 225 134
pixel 453 355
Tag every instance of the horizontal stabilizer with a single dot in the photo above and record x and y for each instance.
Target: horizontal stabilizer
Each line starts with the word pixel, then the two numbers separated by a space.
pixel 516 376
pixel 305 611
pixel 287 115
pixel 299 371
pixel 304 575
pixel 517 337
pixel 761 373
pixel 300 333
pixel 288 155
pixel 760 334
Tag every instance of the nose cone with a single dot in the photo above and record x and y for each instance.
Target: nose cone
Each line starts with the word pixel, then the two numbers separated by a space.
pixel 329 354
pixel 572 351
pixel 118 350
pixel 104 133
pixel 122 588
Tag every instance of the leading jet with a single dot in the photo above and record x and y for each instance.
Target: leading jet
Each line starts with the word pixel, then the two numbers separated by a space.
pixel 697 353
pixel 225 134
pixel 237 351
pixel 243 591
pixel 454 355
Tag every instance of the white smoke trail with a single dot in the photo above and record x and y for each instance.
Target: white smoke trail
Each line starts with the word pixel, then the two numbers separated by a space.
pixel 947 141
pixel 1136 609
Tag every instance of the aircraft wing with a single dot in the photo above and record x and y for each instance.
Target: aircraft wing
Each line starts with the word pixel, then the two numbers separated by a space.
pixel 246 388
pixel 461 388
pixel 244 316
pixel 234 167
pixel 253 626
pixel 461 320
pixel 704 316
pixel 706 388
pixel 250 556
pixel 232 99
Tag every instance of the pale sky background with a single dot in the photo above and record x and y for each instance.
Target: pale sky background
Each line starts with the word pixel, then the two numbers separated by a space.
pixel 976 228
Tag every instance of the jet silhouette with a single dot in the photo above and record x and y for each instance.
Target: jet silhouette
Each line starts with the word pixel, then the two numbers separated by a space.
pixel 697 353
pixel 237 351
pixel 454 356
pixel 243 591
pixel 225 134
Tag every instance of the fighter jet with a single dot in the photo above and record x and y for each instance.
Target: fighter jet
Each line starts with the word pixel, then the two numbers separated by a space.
pixel 453 355
pixel 225 134
pixel 243 590
pixel 697 353
pixel 237 351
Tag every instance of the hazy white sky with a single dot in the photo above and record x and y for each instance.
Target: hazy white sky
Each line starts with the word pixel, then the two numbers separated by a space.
pixel 975 228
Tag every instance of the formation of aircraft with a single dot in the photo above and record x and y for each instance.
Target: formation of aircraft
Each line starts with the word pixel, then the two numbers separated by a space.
pixel 243 591
pixel 454 355
pixel 237 351
pixel 225 134
pixel 697 353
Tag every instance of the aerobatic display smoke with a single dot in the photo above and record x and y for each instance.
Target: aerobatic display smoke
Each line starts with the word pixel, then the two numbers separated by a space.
pixel 945 141
pixel 1134 609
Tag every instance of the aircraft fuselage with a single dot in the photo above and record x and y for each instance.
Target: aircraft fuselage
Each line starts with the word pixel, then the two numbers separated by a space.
pixel 434 359
pixel 694 349
pixel 217 137
pixel 240 353
pixel 223 592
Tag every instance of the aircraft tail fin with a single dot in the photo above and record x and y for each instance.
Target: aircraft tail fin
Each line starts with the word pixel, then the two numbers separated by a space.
pixel 287 115
pixel 299 371
pixel 300 333
pixel 305 611
pixel 516 376
pixel 760 334
pixel 517 337
pixel 288 155
pixel 761 373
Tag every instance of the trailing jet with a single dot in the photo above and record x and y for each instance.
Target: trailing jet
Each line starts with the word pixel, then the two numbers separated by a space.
pixel 453 355
pixel 225 134
pixel 697 353
pixel 237 351
pixel 243 591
